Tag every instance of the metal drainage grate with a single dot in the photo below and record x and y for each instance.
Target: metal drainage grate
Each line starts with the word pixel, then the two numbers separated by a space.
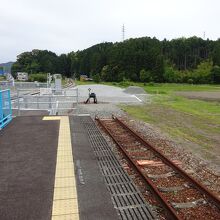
pixel 126 198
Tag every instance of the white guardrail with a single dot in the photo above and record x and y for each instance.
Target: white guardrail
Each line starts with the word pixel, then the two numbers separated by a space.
pixel 56 102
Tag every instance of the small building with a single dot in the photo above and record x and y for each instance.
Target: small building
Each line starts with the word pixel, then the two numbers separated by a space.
pixel 22 76
pixel 83 77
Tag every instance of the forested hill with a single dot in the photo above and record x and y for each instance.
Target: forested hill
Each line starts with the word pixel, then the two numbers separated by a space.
pixel 7 66
pixel 191 60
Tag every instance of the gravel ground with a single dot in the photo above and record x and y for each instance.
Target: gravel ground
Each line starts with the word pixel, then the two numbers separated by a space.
pixel 109 97
pixel 134 90
pixel 207 96
pixel 103 110
pixel 110 94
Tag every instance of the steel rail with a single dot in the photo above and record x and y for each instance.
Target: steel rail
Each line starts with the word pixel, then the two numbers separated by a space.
pixel 211 196
pixel 170 211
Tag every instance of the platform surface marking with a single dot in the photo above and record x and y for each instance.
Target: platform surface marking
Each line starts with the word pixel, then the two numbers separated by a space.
pixel 65 204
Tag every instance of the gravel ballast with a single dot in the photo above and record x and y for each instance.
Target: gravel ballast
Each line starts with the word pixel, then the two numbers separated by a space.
pixel 134 90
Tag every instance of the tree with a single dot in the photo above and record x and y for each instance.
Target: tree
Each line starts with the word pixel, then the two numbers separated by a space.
pixel 106 73
pixel 36 61
pixel 145 76
pixel 215 74
pixel 16 67
pixel 64 65
pixel 126 60
pixel 169 74
pixel 203 72
pixel 216 53
pixel 96 78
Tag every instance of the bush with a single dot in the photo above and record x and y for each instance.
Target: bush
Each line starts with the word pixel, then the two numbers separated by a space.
pixel 145 76
pixel 215 74
pixel 169 74
pixel 190 81
pixel 40 77
pixel 203 72
pixel 96 78
pixel 125 83
pixel 151 84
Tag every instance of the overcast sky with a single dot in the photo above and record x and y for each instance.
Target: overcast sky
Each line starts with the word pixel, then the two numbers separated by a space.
pixel 70 25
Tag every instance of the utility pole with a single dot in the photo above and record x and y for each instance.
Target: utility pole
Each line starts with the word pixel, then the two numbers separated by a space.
pixel 123 32
pixel 204 35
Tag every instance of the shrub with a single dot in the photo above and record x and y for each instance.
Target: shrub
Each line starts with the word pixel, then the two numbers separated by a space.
pixel 96 78
pixel 151 84
pixel 190 81
pixel 215 74
pixel 145 76
pixel 40 77
pixel 125 83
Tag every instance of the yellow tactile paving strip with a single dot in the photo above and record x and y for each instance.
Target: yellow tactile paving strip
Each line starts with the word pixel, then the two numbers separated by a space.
pixel 65 205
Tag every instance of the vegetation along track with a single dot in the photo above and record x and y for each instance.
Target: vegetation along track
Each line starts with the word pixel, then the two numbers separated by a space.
pixel 180 195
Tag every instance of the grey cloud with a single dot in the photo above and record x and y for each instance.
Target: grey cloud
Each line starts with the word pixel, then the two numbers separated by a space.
pixel 66 25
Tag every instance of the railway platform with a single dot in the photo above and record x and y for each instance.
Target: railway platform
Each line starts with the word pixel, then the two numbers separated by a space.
pixel 61 167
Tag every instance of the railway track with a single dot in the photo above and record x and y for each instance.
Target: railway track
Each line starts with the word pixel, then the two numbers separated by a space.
pixel 180 195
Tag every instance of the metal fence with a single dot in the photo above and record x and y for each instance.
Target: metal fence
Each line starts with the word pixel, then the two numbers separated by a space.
pixel 21 85
pixel 5 108
pixel 61 102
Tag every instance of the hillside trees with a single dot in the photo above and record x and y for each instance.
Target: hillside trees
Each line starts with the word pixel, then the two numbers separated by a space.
pixel 215 74
pixel 36 61
pixel 141 59
pixel 145 76
pixel 216 53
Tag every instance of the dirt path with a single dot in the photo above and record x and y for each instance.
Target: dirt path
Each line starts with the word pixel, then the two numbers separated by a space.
pixel 207 96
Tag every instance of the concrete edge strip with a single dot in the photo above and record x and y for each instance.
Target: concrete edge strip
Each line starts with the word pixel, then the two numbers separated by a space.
pixel 65 203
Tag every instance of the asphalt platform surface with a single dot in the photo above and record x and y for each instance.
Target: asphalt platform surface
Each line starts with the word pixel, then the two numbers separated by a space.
pixel 28 149
pixel 93 197
pixel 28 153
pixel 30 112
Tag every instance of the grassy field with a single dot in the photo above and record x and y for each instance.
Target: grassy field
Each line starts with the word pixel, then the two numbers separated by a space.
pixel 194 121
pixel 78 82
pixel 164 96
pixel 168 88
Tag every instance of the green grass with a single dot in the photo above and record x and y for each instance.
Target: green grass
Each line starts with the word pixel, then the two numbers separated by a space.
pixel 182 119
pixel 78 82
pixel 117 84
pixel 138 112
pixel 199 108
pixel 167 88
